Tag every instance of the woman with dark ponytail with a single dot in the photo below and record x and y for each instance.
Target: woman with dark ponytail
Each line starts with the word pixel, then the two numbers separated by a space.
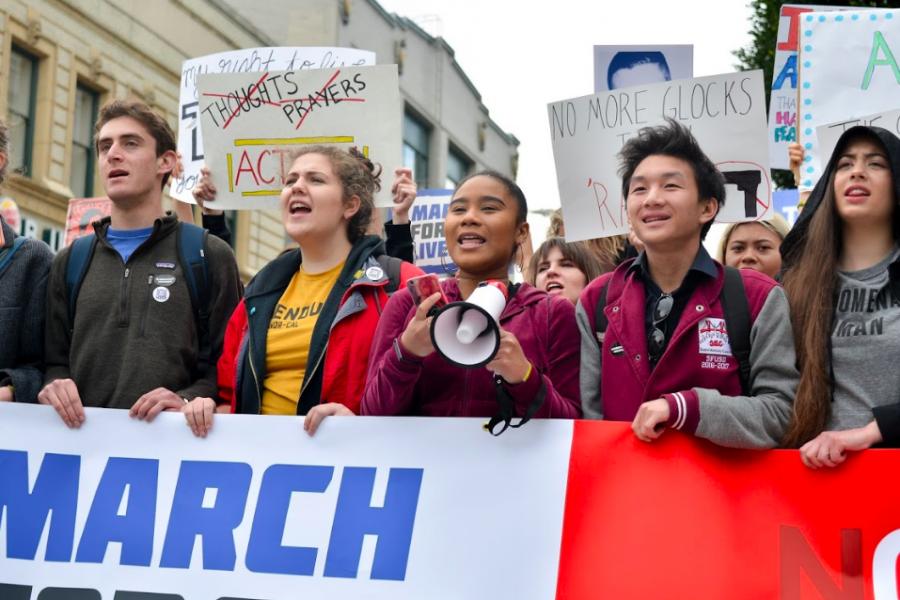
pixel 842 278
pixel 298 343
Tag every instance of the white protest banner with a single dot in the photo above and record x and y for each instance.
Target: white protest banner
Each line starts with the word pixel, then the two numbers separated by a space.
pixel 726 113
pixel 252 121
pixel 829 135
pixel 379 508
pixel 617 67
pixel 783 102
pixel 848 69
pixel 250 60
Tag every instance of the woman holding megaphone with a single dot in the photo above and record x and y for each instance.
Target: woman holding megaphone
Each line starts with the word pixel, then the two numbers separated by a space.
pixel 531 370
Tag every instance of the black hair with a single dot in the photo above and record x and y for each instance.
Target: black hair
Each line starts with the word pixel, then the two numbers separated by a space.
pixel 630 60
pixel 677 141
pixel 512 189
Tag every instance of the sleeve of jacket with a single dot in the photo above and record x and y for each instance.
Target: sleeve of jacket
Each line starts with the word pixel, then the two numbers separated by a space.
pixel 218 227
pixel 399 241
pixel 231 349
pixel 590 373
pixel 559 384
pixel 390 381
pixel 225 294
pixel 27 375
pixel 58 327
pixel 758 421
pixel 888 419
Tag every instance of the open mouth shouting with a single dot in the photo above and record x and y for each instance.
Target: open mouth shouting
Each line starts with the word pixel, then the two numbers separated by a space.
pixel 857 193
pixel 468 241
pixel 554 288
pixel 117 174
pixel 299 208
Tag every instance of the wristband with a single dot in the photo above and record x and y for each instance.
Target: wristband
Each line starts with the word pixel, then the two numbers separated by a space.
pixel 528 373
pixel 402 358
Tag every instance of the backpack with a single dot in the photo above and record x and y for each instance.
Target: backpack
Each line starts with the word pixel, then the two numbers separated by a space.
pixel 392 267
pixel 7 253
pixel 192 254
pixel 737 320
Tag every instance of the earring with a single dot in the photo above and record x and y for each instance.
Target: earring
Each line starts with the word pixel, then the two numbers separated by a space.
pixel 444 256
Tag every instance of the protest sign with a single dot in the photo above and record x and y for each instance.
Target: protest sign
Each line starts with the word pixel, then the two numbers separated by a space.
pixel 617 67
pixel 427 227
pixel 252 122
pixel 250 60
pixel 410 508
pixel 783 102
pixel 10 212
pixel 82 212
pixel 726 113
pixel 848 69
pixel 828 135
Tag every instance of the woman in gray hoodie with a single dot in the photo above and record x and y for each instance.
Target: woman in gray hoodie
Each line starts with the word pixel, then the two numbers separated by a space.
pixel 24 267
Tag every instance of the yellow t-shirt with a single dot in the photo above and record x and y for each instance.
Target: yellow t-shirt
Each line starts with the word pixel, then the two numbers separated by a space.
pixel 289 338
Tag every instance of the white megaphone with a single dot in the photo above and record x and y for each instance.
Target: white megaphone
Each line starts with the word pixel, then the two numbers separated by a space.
pixel 467 334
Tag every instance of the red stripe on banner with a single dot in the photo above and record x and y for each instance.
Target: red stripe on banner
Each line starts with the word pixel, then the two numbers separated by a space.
pixel 684 519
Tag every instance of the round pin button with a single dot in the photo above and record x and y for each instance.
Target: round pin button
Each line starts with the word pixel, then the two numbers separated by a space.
pixel 374 273
pixel 164 280
pixel 161 294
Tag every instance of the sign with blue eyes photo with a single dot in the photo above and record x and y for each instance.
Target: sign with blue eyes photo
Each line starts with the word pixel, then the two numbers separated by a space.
pixel 848 69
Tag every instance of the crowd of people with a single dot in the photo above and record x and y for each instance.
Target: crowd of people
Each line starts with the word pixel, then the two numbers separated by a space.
pixel 782 340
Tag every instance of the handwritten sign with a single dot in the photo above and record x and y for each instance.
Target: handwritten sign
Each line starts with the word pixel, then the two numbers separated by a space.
pixel 252 122
pixel 82 213
pixel 829 135
pixel 848 68
pixel 726 113
pixel 252 60
pixel 617 67
pixel 783 104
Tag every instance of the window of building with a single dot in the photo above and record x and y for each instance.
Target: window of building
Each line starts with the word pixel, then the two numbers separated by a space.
pixel 83 157
pixel 458 166
pixel 415 148
pixel 23 80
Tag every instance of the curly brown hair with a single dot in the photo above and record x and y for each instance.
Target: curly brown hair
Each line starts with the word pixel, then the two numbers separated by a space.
pixel 359 177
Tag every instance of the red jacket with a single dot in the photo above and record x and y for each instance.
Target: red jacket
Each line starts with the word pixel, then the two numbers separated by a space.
pixel 697 374
pixel 345 329
pixel 546 330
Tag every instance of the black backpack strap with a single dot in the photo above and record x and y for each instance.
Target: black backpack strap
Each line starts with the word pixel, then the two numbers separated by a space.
pixel 192 252
pixel 392 267
pixel 737 322
pixel 600 320
pixel 80 254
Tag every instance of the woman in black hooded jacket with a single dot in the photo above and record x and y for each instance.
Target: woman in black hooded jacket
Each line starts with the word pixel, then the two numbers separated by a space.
pixel 842 278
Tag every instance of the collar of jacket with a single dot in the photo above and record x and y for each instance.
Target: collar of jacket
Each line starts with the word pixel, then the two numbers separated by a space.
pixel 708 288
pixel 9 236
pixel 523 298
pixel 277 275
pixel 161 226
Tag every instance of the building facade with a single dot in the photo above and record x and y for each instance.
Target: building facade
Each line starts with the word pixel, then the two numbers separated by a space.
pixel 60 60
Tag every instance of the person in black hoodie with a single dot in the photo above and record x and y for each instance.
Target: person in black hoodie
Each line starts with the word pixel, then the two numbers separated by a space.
pixel 841 273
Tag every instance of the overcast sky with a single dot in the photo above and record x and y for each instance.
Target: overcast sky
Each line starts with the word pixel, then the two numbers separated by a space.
pixel 521 58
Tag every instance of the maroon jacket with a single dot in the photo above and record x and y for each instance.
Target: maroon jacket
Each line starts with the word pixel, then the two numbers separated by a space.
pixel 697 374
pixel 546 329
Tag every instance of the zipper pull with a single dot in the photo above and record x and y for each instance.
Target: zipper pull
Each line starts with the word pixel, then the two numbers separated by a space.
pixel 127 271
pixel 150 279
